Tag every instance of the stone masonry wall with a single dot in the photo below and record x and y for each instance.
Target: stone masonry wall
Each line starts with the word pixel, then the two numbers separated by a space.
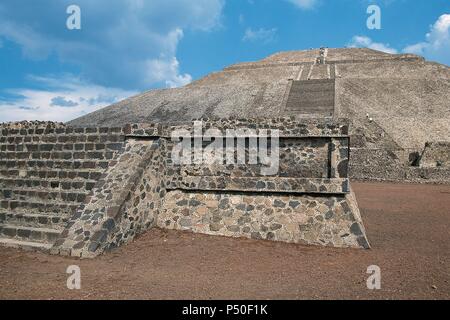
pixel 124 203
pixel 436 154
pixel 330 221
pixel 308 200
pixel 375 156
pixel 46 171
pixel 397 165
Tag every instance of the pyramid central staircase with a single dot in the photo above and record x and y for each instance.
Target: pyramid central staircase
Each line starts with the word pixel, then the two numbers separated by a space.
pixel 312 91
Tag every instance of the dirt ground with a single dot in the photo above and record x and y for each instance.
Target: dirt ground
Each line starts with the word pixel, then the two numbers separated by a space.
pixel 408 226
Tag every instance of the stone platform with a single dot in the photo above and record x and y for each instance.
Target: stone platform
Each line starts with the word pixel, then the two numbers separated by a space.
pixel 97 188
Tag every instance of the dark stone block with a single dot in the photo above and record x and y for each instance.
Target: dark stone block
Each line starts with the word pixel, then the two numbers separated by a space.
pixel 270 236
pixel 95 155
pixel 109 224
pixel 194 203
pixel 345 186
pixel 46 147
pixel 356 229
pixel 114 146
pixel 260 185
pixel 99 236
pixel 343 169
pixel 84 175
pixel 37 235
pixel 279 204
pixel 362 241
pixel 250 208
pixel 32 147
pixel 9 232
pixel 294 204
pixel 256 235
pixel 79 245
pixel 7 193
pixel 65 185
pixel 43 220
pixel 93 246
pixel 95 175
pixel 224 203
pixel 346 207
pixel 182 203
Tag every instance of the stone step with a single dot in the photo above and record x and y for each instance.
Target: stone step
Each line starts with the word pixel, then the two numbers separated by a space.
pixel 315 89
pixel 317 81
pixel 26 245
pixel 82 174
pixel 310 104
pixel 44 235
pixel 59 208
pixel 48 147
pixel 318 108
pixel 320 71
pixel 54 184
pixel 59 131
pixel 311 97
pixel 97 165
pixel 33 220
pixel 62 139
pixel 43 195
pixel 57 155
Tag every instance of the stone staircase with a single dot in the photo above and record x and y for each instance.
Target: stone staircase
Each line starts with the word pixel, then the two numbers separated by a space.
pixel 46 172
pixel 311 97
pixel 312 91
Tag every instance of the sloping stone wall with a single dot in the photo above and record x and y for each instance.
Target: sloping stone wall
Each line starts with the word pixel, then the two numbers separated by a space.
pixel 317 220
pixel 428 166
pixel 124 203
pixel 436 154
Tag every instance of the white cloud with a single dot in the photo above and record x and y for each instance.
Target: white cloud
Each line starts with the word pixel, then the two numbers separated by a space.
pixel 65 99
pixel 366 42
pixel 437 42
pixel 261 35
pixel 164 70
pixel 304 4
pixel 118 41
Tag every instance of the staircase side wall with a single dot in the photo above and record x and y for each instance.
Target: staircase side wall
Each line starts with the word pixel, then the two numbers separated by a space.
pixel 124 203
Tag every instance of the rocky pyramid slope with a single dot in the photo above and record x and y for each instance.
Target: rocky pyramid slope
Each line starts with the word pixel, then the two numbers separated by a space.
pixel 395 103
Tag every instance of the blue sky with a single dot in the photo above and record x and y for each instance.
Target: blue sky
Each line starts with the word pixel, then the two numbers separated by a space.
pixel 124 47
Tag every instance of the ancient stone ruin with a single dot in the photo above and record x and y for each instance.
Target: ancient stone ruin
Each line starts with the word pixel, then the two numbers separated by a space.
pixel 96 183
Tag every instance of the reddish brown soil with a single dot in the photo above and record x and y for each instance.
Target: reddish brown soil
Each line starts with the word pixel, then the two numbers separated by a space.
pixel 408 226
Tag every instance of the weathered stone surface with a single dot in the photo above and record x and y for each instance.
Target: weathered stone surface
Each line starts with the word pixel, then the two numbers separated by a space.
pixel 133 185
pixel 305 223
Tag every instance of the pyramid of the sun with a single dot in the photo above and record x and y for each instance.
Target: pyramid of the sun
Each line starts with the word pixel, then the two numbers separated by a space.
pixel 396 104
pixel 95 183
